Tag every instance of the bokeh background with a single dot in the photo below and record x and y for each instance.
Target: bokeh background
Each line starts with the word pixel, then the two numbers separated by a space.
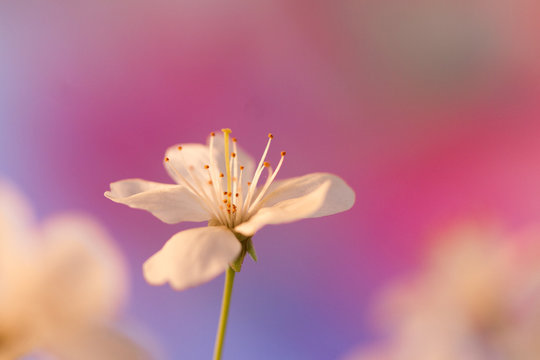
pixel 429 109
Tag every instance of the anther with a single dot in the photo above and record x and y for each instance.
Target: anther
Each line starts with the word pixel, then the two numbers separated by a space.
pixel 233 155
pixel 249 183
pixel 224 201
pixel 283 153
pixel 210 182
pixel 180 148
pixel 212 134
pixel 234 139
pixel 237 194
pixel 224 193
pixel 229 194
pixel 266 164
pixel 166 159
pixel 206 166
pixel 270 136
pixel 241 168
pixel 221 175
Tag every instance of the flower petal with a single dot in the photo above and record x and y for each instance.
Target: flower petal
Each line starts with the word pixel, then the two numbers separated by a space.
pixel 82 275
pixel 192 157
pixel 192 257
pixel 340 196
pixel 16 218
pixel 312 195
pixel 98 341
pixel 285 211
pixel 169 203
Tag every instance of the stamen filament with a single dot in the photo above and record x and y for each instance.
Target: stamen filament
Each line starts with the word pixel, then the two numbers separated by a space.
pixel 260 168
pixel 268 182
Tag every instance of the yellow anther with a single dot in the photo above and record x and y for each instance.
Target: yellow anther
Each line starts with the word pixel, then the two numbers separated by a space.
pixel 283 153
pixel 180 148
pixel 266 164
pixel 270 136
pixel 221 175
pixel 241 168
pixel 206 166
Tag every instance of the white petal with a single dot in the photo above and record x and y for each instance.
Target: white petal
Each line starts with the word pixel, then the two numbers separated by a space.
pixel 312 195
pixel 192 157
pixel 192 257
pixel 285 211
pixel 169 203
pixel 82 275
pixel 340 196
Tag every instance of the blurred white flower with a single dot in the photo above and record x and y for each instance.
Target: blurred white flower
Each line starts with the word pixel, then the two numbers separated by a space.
pixel 218 184
pixel 478 298
pixel 60 284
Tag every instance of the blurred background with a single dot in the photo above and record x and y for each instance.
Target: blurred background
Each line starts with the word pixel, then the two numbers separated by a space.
pixel 429 109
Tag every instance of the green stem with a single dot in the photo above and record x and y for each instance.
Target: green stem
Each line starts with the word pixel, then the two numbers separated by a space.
pixel 227 291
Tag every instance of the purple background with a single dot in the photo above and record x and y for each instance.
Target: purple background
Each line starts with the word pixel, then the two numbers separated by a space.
pixel 428 109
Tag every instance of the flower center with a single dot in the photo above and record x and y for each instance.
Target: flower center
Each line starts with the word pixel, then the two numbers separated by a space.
pixel 229 197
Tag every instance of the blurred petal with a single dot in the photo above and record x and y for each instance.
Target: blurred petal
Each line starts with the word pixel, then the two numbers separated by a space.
pixel 169 203
pixel 192 257
pixel 16 217
pixel 286 211
pixel 17 264
pixel 340 196
pixel 99 342
pixel 83 275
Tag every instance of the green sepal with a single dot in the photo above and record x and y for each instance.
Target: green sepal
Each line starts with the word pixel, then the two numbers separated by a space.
pixel 236 265
pixel 247 247
pixel 251 249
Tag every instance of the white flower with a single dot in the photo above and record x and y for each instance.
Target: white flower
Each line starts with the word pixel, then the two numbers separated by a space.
pixel 218 183
pixel 60 284
pixel 478 298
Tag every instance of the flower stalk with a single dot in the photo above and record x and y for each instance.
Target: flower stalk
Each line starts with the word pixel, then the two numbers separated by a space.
pixel 225 303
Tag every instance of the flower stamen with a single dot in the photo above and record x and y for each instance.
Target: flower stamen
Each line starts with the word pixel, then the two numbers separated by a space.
pixel 268 182
pixel 257 173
